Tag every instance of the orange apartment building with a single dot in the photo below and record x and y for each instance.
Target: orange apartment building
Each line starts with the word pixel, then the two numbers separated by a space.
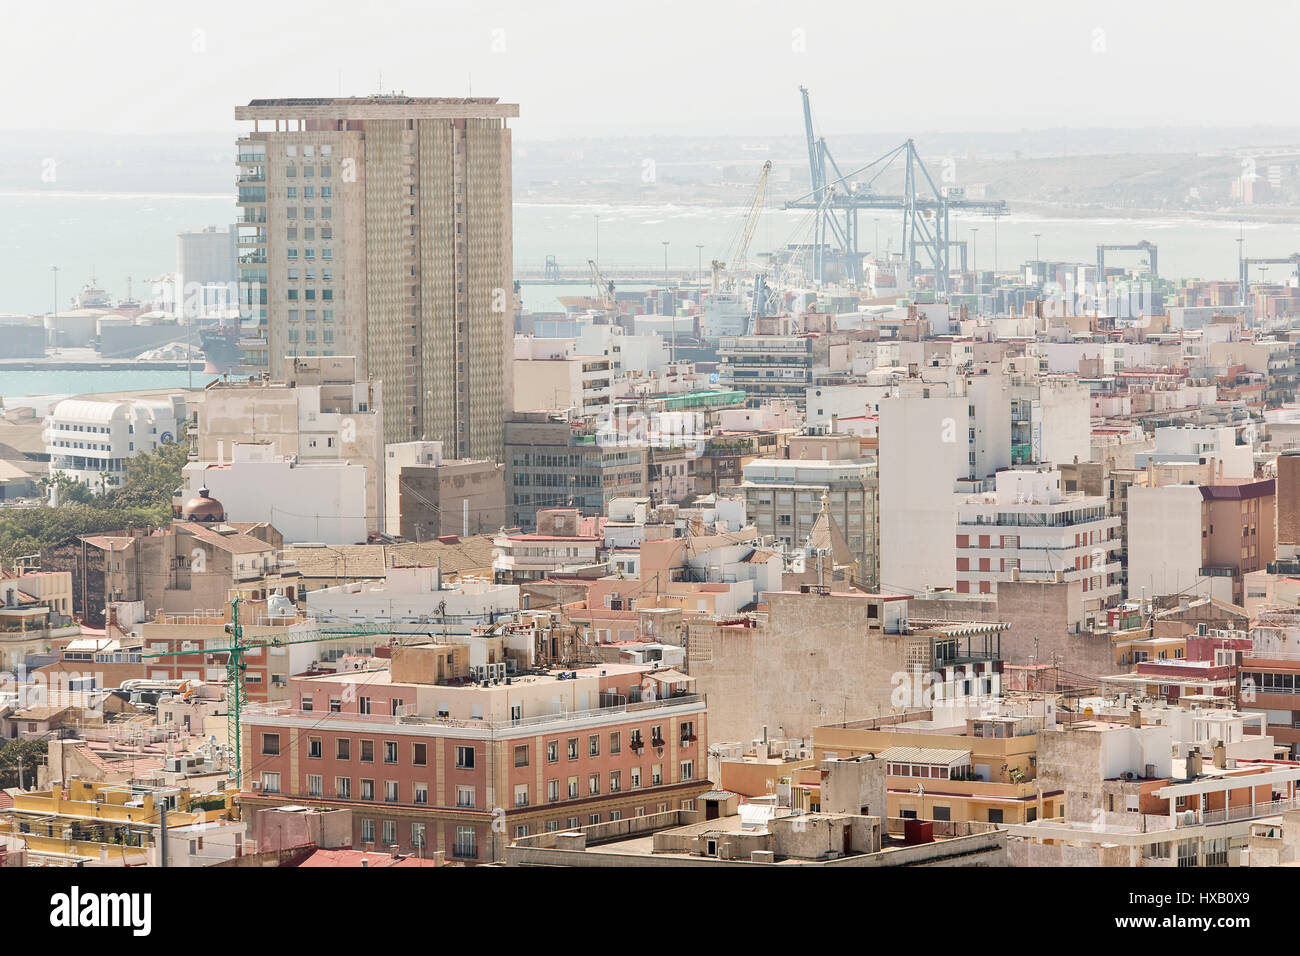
pixel 428 754
pixel 983 769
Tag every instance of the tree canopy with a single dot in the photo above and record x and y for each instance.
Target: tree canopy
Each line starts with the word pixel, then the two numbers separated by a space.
pixel 143 499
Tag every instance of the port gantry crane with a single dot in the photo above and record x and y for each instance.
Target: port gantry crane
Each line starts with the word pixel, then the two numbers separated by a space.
pixel 925 207
pixel 736 255
pixel 1243 269
pixel 1142 246
pixel 236 665
pixel 604 289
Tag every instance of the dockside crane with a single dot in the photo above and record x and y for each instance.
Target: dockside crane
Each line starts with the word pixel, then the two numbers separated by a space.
pixel 1243 269
pixel 1142 246
pixel 726 275
pixel 604 288
pixel 838 198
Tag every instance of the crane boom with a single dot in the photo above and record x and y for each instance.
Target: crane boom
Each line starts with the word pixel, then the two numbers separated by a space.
pixel 604 288
pixel 236 665
pixel 751 223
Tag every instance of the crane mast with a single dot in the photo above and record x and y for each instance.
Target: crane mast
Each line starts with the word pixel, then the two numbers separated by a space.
pixel 737 256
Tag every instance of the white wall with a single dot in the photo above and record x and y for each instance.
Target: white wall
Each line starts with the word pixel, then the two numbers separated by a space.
pixel 315 501
pixel 923 451
pixel 1164 540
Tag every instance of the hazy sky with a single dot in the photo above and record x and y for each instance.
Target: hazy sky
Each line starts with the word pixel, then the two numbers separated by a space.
pixel 661 67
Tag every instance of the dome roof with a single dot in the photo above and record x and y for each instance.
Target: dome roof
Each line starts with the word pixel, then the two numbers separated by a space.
pixel 203 507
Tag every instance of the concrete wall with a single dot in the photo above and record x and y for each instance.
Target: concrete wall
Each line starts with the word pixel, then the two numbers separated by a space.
pixel 923 451
pixel 1164 540
pixel 814 663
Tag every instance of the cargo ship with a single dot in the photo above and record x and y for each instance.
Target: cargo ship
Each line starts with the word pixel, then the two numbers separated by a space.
pixel 221 353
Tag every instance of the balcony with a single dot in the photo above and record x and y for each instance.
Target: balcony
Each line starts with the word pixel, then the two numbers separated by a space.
pixel 1235 814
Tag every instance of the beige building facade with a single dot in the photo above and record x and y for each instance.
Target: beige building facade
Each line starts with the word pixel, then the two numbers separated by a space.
pixel 381 227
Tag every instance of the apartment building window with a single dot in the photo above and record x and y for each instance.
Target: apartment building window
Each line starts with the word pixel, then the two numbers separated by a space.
pixel 363 705
pixel 315 786
pixel 417 836
pixel 552 826
pixel 390 791
pixel 336 705
pixel 615 742
pixel 367 751
pixel 615 815
pixel 306 703
pixel 343 788
pixel 656 775
pixel 367 789
pixel 465 797
pixel 390 751
pixel 465 758
pixel 465 843
pixel 521 795
pixel 343 749
pixel 552 751
pixel 367 831
pixel 315 748
pixel 421 794
pixel 593 819
pixel 270 782
pixel 573 748
pixel 687 732
pixel 390 833
pixel 615 781
pixel 521 756
pixel 271 745
pixel 573 788
pixel 570 823
pixel 635 775
pixel 593 745
pixel 419 754
pixel 593 783
pixel 552 791
pixel 688 770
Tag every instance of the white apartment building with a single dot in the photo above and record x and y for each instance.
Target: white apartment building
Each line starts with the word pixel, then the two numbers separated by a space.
pixel 1028 530
pixel 1195 444
pixel 92 441
pixel 303 500
pixel 551 374
pixel 320 412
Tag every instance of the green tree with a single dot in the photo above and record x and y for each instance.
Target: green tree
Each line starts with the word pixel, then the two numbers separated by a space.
pixel 151 479
pixel 144 499
pixel 30 752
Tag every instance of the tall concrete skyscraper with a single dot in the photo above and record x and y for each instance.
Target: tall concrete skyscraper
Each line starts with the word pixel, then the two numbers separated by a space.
pixel 380 227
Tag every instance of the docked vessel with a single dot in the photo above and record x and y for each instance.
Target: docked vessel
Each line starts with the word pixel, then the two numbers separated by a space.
pixel 221 353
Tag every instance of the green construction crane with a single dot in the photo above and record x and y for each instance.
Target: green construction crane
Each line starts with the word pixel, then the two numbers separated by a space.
pixel 236 692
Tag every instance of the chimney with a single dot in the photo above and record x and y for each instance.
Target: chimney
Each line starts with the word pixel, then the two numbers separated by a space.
pixel 1193 764
pixel 1220 755
pixel 1135 716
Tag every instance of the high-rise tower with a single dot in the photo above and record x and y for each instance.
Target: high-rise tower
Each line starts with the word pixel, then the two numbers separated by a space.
pixel 380 227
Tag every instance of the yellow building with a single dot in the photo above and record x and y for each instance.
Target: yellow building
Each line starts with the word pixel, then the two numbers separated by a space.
pixel 982 769
pixel 115 824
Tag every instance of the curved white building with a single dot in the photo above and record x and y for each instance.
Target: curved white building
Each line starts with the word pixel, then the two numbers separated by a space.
pixel 91 441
